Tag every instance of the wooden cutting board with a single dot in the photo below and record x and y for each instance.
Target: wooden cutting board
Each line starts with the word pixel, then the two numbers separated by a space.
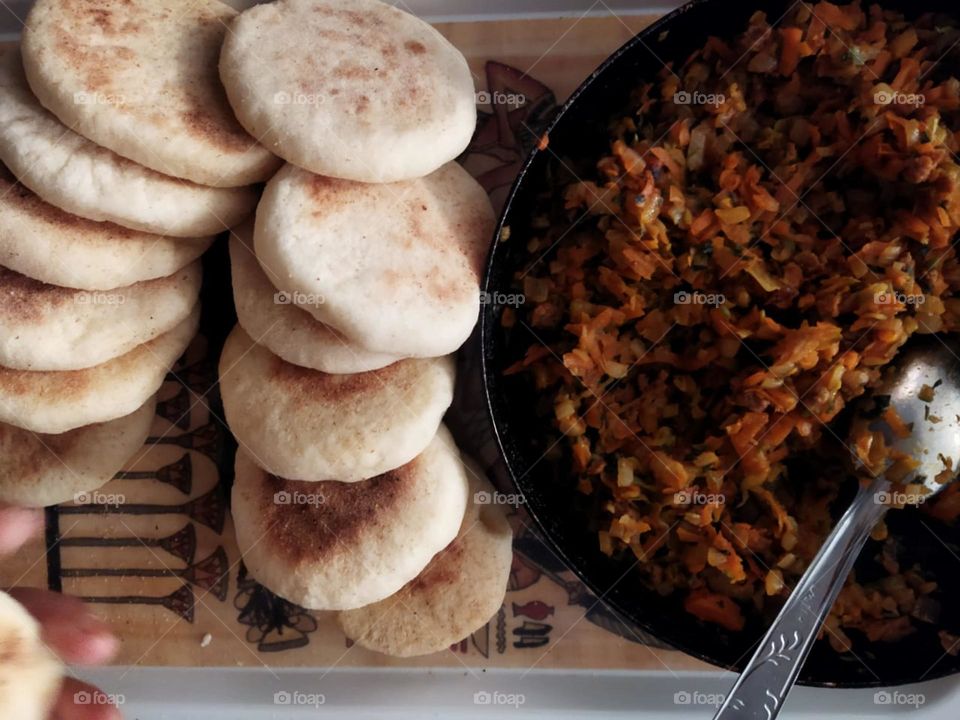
pixel 154 552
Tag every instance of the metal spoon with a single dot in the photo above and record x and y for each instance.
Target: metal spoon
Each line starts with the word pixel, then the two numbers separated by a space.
pixel 769 676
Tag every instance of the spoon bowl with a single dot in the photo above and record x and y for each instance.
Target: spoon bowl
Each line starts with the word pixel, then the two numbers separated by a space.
pixel 917 410
pixel 923 390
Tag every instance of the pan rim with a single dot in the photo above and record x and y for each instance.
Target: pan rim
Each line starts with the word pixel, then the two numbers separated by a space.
pixel 534 508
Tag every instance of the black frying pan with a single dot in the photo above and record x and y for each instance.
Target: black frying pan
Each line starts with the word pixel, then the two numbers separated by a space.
pixel 579 135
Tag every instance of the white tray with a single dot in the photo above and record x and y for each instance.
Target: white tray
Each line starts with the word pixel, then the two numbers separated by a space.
pixel 398 694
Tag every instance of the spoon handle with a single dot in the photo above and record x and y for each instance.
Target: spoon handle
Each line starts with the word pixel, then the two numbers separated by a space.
pixel 768 677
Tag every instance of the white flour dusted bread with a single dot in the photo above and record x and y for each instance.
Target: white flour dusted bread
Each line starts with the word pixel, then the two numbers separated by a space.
pixel 30 676
pixel 355 89
pixel 460 590
pixel 45 243
pixel 284 328
pixel 58 401
pixel 303 424
pixel 334 545
pixel 37 470
pixel 46 327
pixel 139 77
pixel 74 174
pixel 398 265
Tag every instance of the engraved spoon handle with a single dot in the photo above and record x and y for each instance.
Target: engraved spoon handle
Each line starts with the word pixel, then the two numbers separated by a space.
pixel 767 679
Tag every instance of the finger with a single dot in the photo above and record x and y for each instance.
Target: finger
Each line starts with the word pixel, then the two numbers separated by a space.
pixel 80 701
pixel 17 525
pixel 68 627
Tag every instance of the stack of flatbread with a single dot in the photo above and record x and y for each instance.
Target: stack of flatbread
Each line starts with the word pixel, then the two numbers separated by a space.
pixel 356 282
pixel 120 158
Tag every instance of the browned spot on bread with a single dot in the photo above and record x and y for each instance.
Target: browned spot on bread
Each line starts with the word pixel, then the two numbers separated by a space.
pixel 91 61
pixel 393 72
pixel 445 291
pixel 14 194
pixel 352 17
pixel 320 187
pixel 443 570
pixel 313 531
pixel 28 454
pixel 351 71
pixel 61 385
pixel 332 34
pixel 27 300
pixel 217 130
pixel 101 18
pixel 215 122
pixel 429 217
pixel 97 37
pixel 309 386
pixel 438 282
pixel 65 386
pixel 327 194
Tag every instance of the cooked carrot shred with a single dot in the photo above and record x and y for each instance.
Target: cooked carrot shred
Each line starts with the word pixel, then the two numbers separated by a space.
pixel 714 608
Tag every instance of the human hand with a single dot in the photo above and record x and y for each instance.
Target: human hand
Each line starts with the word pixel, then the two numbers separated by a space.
pixel 68 627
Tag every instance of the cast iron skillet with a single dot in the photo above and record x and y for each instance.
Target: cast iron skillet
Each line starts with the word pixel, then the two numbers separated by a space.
pixel 578 135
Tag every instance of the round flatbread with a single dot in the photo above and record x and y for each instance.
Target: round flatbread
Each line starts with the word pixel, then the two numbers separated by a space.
pixel 277 323
pixel 333 545
pixel 460 590
pixel 55 402
pixel 30 675
pixel 37 470
pixel 353 89
pixel 74 174
pixel 398 265
pixel 45 327
pixel 303 424
pixel 44 242
pixel 105 68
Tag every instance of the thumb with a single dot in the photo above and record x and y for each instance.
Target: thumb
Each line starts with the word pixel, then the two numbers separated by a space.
pixel 17 525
